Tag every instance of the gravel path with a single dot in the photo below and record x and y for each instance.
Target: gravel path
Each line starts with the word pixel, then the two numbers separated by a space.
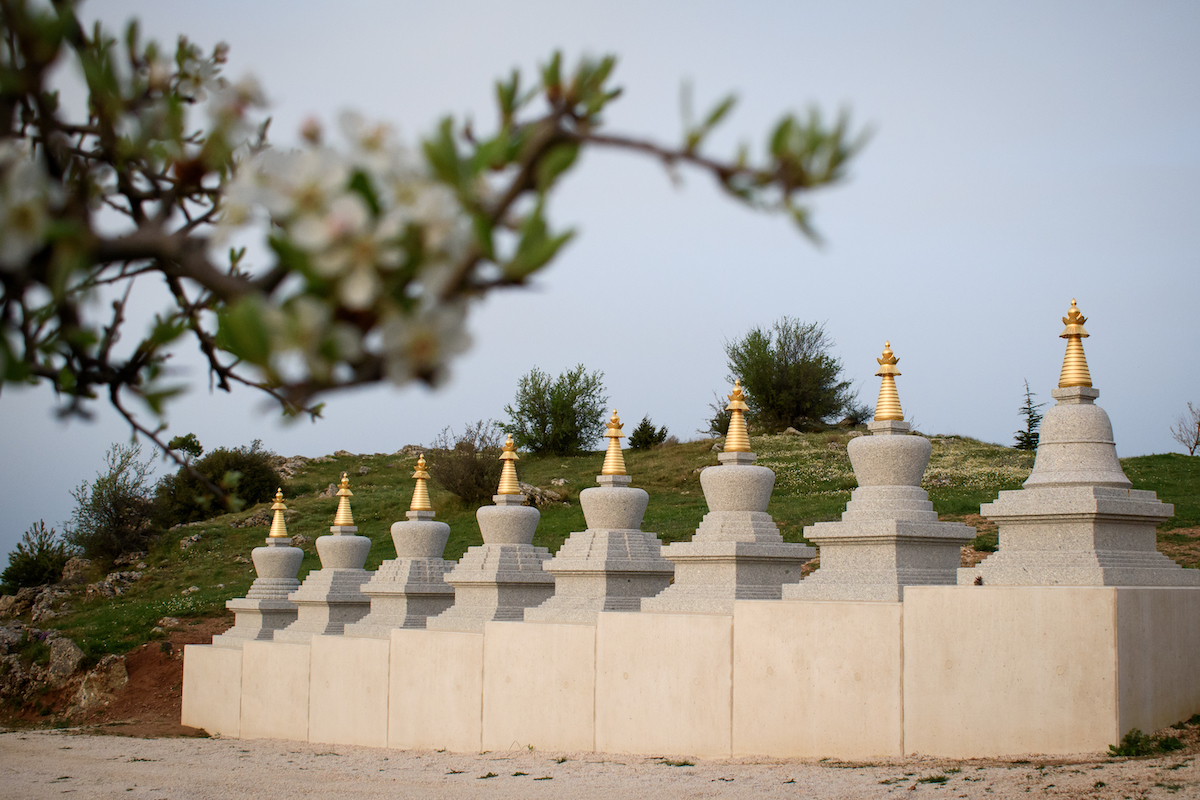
pixel 53 764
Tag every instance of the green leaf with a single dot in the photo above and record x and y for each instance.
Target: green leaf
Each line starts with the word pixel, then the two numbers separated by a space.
pixel 483 235
pixel 242 331
pixel 442 154
pixel 555 163
pixel 361 183
pixel 720 110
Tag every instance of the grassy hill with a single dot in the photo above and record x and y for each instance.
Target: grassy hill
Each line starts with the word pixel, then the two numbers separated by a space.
pixel 813 483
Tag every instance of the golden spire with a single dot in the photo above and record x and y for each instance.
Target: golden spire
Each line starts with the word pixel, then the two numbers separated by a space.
pixel 343 515
pixel 420 499
pixel 278 523
pixel 888 406
pixel 508 474
pixel 737 439
pixel 614 461
pixel 1074 368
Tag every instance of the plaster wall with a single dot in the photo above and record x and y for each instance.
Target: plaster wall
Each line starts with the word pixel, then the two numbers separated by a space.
pixel 539 686
pixel 1158 654
pixel 992 671
pixel 664 683
pixel 817 678
pixel 212 688
pixel 435 690
pixel 275 691
pixel 348 691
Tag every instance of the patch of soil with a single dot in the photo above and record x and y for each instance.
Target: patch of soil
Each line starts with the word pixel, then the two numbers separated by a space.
pixel 980 523
pixel 1181 545
pixel 151 703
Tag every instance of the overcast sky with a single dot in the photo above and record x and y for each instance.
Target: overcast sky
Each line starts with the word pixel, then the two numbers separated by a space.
pixel 1024 154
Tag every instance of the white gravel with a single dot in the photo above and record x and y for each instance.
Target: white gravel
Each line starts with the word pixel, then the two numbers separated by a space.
pixel 53 764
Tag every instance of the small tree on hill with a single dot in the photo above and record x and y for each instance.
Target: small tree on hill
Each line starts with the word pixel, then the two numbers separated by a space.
pixel 189 445
pixel 789 375
pixel 1186 430
pixel 245 475
pixel 468 464
pixel 112 513
pixel 38 560
pixel 1028 438
pixel 560 417
pixel 645 435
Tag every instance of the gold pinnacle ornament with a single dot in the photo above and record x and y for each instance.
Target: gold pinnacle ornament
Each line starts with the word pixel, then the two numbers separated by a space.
pixel 614 461
pixel 343 515
pixel 888 407
pixel 508 474
pixel 278 523
pixel 420 498
pixel 737 439
pixel 1074 368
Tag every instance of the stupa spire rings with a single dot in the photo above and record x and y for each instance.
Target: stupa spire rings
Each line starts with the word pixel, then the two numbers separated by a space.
pixel 278 522
pixel 420 498
pixel 737 439
pixel 614 459
pixel 344 516
pixel 508 473
pixel 1074 368
pixel 888 406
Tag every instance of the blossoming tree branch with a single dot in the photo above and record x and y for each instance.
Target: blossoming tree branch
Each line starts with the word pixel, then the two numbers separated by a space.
pixel 377 247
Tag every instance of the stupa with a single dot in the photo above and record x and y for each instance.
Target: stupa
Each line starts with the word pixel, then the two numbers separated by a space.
pixel 331 597
pixel 736 552
pixel 889 536
pixel 499 579
pixel 613 564
pixel 266 608
pixel 1076 521
pixel 411 587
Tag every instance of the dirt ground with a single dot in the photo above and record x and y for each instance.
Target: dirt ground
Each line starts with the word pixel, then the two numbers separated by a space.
pixel 45 764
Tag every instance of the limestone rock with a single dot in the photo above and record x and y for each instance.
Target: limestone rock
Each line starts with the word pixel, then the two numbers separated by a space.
pixel 43 607
pixel 14 605
pixel 100 684
pixel 75 571
pixel 129 558
pixel 65 658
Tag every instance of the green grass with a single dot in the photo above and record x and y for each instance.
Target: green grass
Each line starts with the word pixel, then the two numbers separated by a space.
pixel 814 480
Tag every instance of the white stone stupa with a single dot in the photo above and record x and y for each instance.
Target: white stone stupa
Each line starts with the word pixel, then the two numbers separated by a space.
pixel 499 579
pixel 613 564
pixel 331 597
pixel 410 588
pixel 889 537
pixel 1076 521
pixel 736 553
pixel 266 608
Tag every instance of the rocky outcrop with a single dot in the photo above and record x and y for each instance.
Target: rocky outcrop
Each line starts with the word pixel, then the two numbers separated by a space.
pixel 100 684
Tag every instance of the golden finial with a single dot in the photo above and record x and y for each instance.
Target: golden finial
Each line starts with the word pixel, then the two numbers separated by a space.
pixel 420 498
pixel 1074 368
pixel 614 461
pixel 343 515
pixel 737 438
pixel 278 523
pixel 888 406
pixel 508 474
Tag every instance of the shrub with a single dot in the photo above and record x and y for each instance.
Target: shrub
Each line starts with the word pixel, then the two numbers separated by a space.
pixel 112 513
pixel 563 417
pixel 645 435
pixel 1134 743
pixel 38 560
pixel 467 465
pixel 247 475
pixel 718 423
pixel 789 375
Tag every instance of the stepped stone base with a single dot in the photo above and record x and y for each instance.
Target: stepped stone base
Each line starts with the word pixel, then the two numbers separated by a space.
pixel 495 582
pixel 603 570
pixel 1078 536
pixel 328 600
pixel 256 620
pixel 710 576
pixel 403 594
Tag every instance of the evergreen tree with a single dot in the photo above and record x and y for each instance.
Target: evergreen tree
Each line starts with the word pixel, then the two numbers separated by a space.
pixel 1028 438
pixel 645 435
